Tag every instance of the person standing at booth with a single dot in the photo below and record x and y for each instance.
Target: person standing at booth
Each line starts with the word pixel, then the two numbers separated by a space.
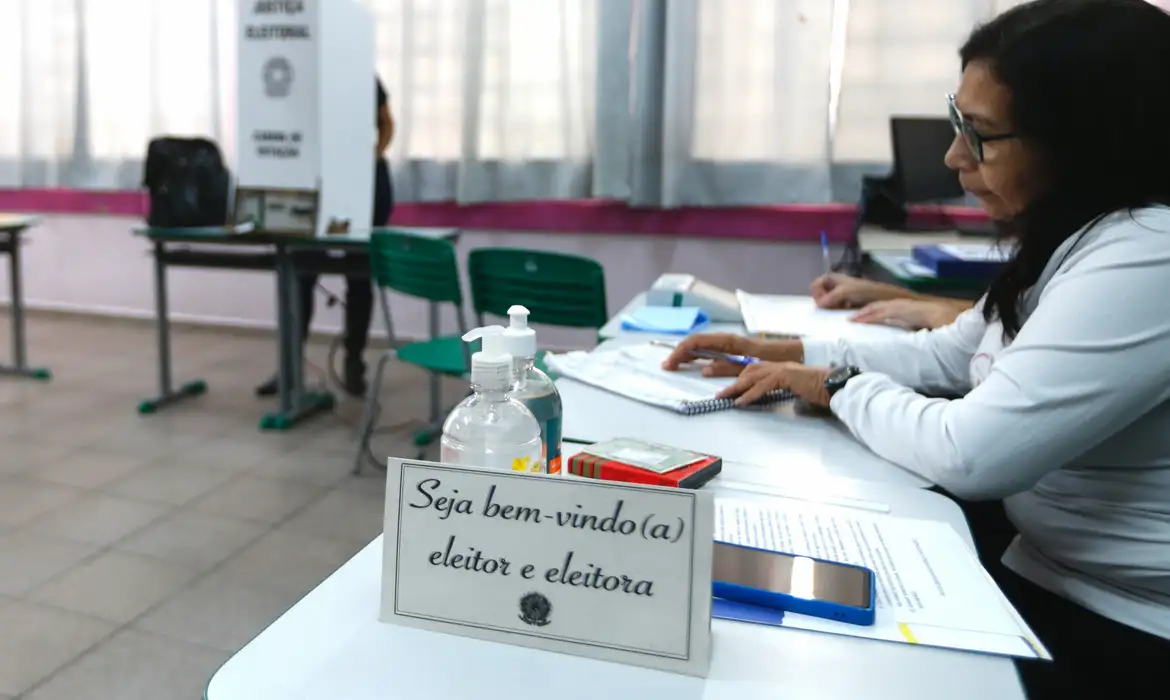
pixel 359 292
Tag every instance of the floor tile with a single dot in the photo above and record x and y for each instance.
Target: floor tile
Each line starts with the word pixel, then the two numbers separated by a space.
pixel 37 640
pixel 22 453
pixel 98 519
pixel 172 482
pixel 193 539
pixel 136 665
pixel 116 586
pixel 219 612
pixel 88 468
pixel 258 498
pixel 28 560
pixel 309 466
pixel 22 499
pixel 346 515
pixel 226 454
pixel 292 561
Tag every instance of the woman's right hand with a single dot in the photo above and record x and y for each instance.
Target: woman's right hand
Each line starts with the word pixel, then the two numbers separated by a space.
pixel 837 291
pixel 728 344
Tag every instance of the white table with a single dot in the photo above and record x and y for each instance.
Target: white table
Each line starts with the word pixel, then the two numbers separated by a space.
pixel 613 327
pixel 331 645
pixel 795 446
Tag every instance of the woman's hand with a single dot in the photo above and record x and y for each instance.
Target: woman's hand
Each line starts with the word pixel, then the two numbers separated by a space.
pixel 759 379
pixel 837 291
pixel 909 313
pixel 726 343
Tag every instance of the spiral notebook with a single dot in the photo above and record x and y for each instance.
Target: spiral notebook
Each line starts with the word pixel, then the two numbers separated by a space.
pixel 635 371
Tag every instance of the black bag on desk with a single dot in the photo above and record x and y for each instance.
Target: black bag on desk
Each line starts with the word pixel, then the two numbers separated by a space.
pixel 187 181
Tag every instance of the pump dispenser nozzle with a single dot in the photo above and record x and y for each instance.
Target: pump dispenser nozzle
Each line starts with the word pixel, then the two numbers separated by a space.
pixel 491 367
pixel 519 339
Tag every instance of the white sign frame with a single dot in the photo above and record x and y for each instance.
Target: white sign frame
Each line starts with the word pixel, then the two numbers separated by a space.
pixel 689 636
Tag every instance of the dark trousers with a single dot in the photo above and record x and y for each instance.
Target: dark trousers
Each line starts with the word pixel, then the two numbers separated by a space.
pixel 1093 656
pixel 359 292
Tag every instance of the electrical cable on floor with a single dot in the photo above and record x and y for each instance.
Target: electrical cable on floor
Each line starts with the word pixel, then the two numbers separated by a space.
pixel 334 378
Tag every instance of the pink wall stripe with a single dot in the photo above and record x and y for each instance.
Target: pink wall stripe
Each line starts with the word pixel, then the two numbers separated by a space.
pixel 793 223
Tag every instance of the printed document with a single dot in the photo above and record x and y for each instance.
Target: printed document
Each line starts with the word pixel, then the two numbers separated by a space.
pixel 787 315
pixel 931 589
pixel 635 371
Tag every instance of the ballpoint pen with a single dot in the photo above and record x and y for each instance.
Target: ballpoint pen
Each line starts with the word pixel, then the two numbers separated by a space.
pixel 713 355
pixel 826 261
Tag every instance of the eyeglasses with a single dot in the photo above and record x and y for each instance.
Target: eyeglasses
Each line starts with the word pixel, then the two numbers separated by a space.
pixel 966 129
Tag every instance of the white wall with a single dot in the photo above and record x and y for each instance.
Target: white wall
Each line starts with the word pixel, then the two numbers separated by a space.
pixel 95 265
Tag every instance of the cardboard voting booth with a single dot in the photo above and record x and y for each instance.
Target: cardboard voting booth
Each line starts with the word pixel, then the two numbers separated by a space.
pixel 306 116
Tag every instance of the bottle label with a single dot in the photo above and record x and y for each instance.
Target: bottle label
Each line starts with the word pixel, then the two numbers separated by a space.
pixel 525 464
pixel 551 445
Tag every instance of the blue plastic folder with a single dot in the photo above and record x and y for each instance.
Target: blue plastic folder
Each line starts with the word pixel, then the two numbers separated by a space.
pixel 677 320
pixel 724 609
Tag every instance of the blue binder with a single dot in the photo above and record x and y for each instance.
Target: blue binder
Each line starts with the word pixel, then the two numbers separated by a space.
pixel 980 262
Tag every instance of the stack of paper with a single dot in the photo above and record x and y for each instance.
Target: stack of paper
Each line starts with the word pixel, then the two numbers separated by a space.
pixel 931 588
pixel 785 315
pixel 635 371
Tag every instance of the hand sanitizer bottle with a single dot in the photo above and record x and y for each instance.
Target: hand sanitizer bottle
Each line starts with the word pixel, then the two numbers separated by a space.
pixel 490 428
pixel 533 387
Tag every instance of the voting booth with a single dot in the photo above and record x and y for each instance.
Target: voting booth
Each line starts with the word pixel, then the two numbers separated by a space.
pixel 307 131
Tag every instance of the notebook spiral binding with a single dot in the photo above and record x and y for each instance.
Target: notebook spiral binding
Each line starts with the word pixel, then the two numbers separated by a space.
pixel 695 408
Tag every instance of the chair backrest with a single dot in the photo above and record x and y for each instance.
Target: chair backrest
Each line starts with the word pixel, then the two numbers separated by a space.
pixel 418 266
pixel 919 145
pixel 558 289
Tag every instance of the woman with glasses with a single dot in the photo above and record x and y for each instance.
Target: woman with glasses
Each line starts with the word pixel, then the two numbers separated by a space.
pixel 1062 428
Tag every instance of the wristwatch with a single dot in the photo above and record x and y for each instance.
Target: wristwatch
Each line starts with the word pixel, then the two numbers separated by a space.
pixel 839 377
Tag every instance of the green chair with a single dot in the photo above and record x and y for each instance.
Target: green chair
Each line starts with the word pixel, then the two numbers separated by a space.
pixel 558 289
pixel 424 268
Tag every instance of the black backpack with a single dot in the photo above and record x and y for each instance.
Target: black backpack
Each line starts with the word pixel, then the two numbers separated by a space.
pixel 188 183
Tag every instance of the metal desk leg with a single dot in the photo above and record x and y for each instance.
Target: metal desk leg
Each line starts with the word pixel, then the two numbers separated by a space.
pixel 296 404
pixel 19 366
pixel 167 395
pixel 436 387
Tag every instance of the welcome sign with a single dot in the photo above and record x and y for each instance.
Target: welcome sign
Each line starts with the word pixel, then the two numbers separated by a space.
pixel 611 571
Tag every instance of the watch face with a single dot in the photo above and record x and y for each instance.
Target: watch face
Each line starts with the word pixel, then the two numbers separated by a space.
pixel 838 377
pixel 842 374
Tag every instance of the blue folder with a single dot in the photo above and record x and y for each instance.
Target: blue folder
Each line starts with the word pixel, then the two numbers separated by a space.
pixel 945 265
pixel 724 609
pixel 676 320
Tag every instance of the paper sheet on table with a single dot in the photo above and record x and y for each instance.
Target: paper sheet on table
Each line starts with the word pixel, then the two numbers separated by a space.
pixel 931 588
pixel 635 371
pixel 771 314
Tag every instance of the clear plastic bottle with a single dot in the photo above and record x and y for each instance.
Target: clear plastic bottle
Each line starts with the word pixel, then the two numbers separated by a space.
pixel 490 428
pixel 534 388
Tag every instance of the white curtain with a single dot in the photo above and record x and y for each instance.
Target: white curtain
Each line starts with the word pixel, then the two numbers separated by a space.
pixel 494 99
pixel 654 102
pixel 771 101
pixel 87 83
pixel 38 91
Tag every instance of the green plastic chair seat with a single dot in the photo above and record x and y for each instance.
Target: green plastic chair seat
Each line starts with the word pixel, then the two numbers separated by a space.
pixel 443 355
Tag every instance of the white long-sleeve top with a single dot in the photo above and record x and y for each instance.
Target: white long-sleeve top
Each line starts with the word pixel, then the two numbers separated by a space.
pixel 1069 422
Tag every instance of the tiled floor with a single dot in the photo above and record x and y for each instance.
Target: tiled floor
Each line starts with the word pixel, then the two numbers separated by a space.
pixel 138 553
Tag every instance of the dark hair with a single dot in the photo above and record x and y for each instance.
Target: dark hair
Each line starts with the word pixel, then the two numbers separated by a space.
pixel 1090 92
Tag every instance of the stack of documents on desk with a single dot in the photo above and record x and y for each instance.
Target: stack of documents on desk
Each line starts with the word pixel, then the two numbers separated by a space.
pixel 931 588
pixel 786 315
pixel 963 260
pixel 635 371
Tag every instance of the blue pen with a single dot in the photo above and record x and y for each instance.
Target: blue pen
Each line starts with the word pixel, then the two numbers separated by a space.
pixel 825 259
pixel 713 355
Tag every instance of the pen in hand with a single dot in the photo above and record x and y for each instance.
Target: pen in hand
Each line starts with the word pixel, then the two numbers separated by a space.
pixel 826 259
pixel 743 360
